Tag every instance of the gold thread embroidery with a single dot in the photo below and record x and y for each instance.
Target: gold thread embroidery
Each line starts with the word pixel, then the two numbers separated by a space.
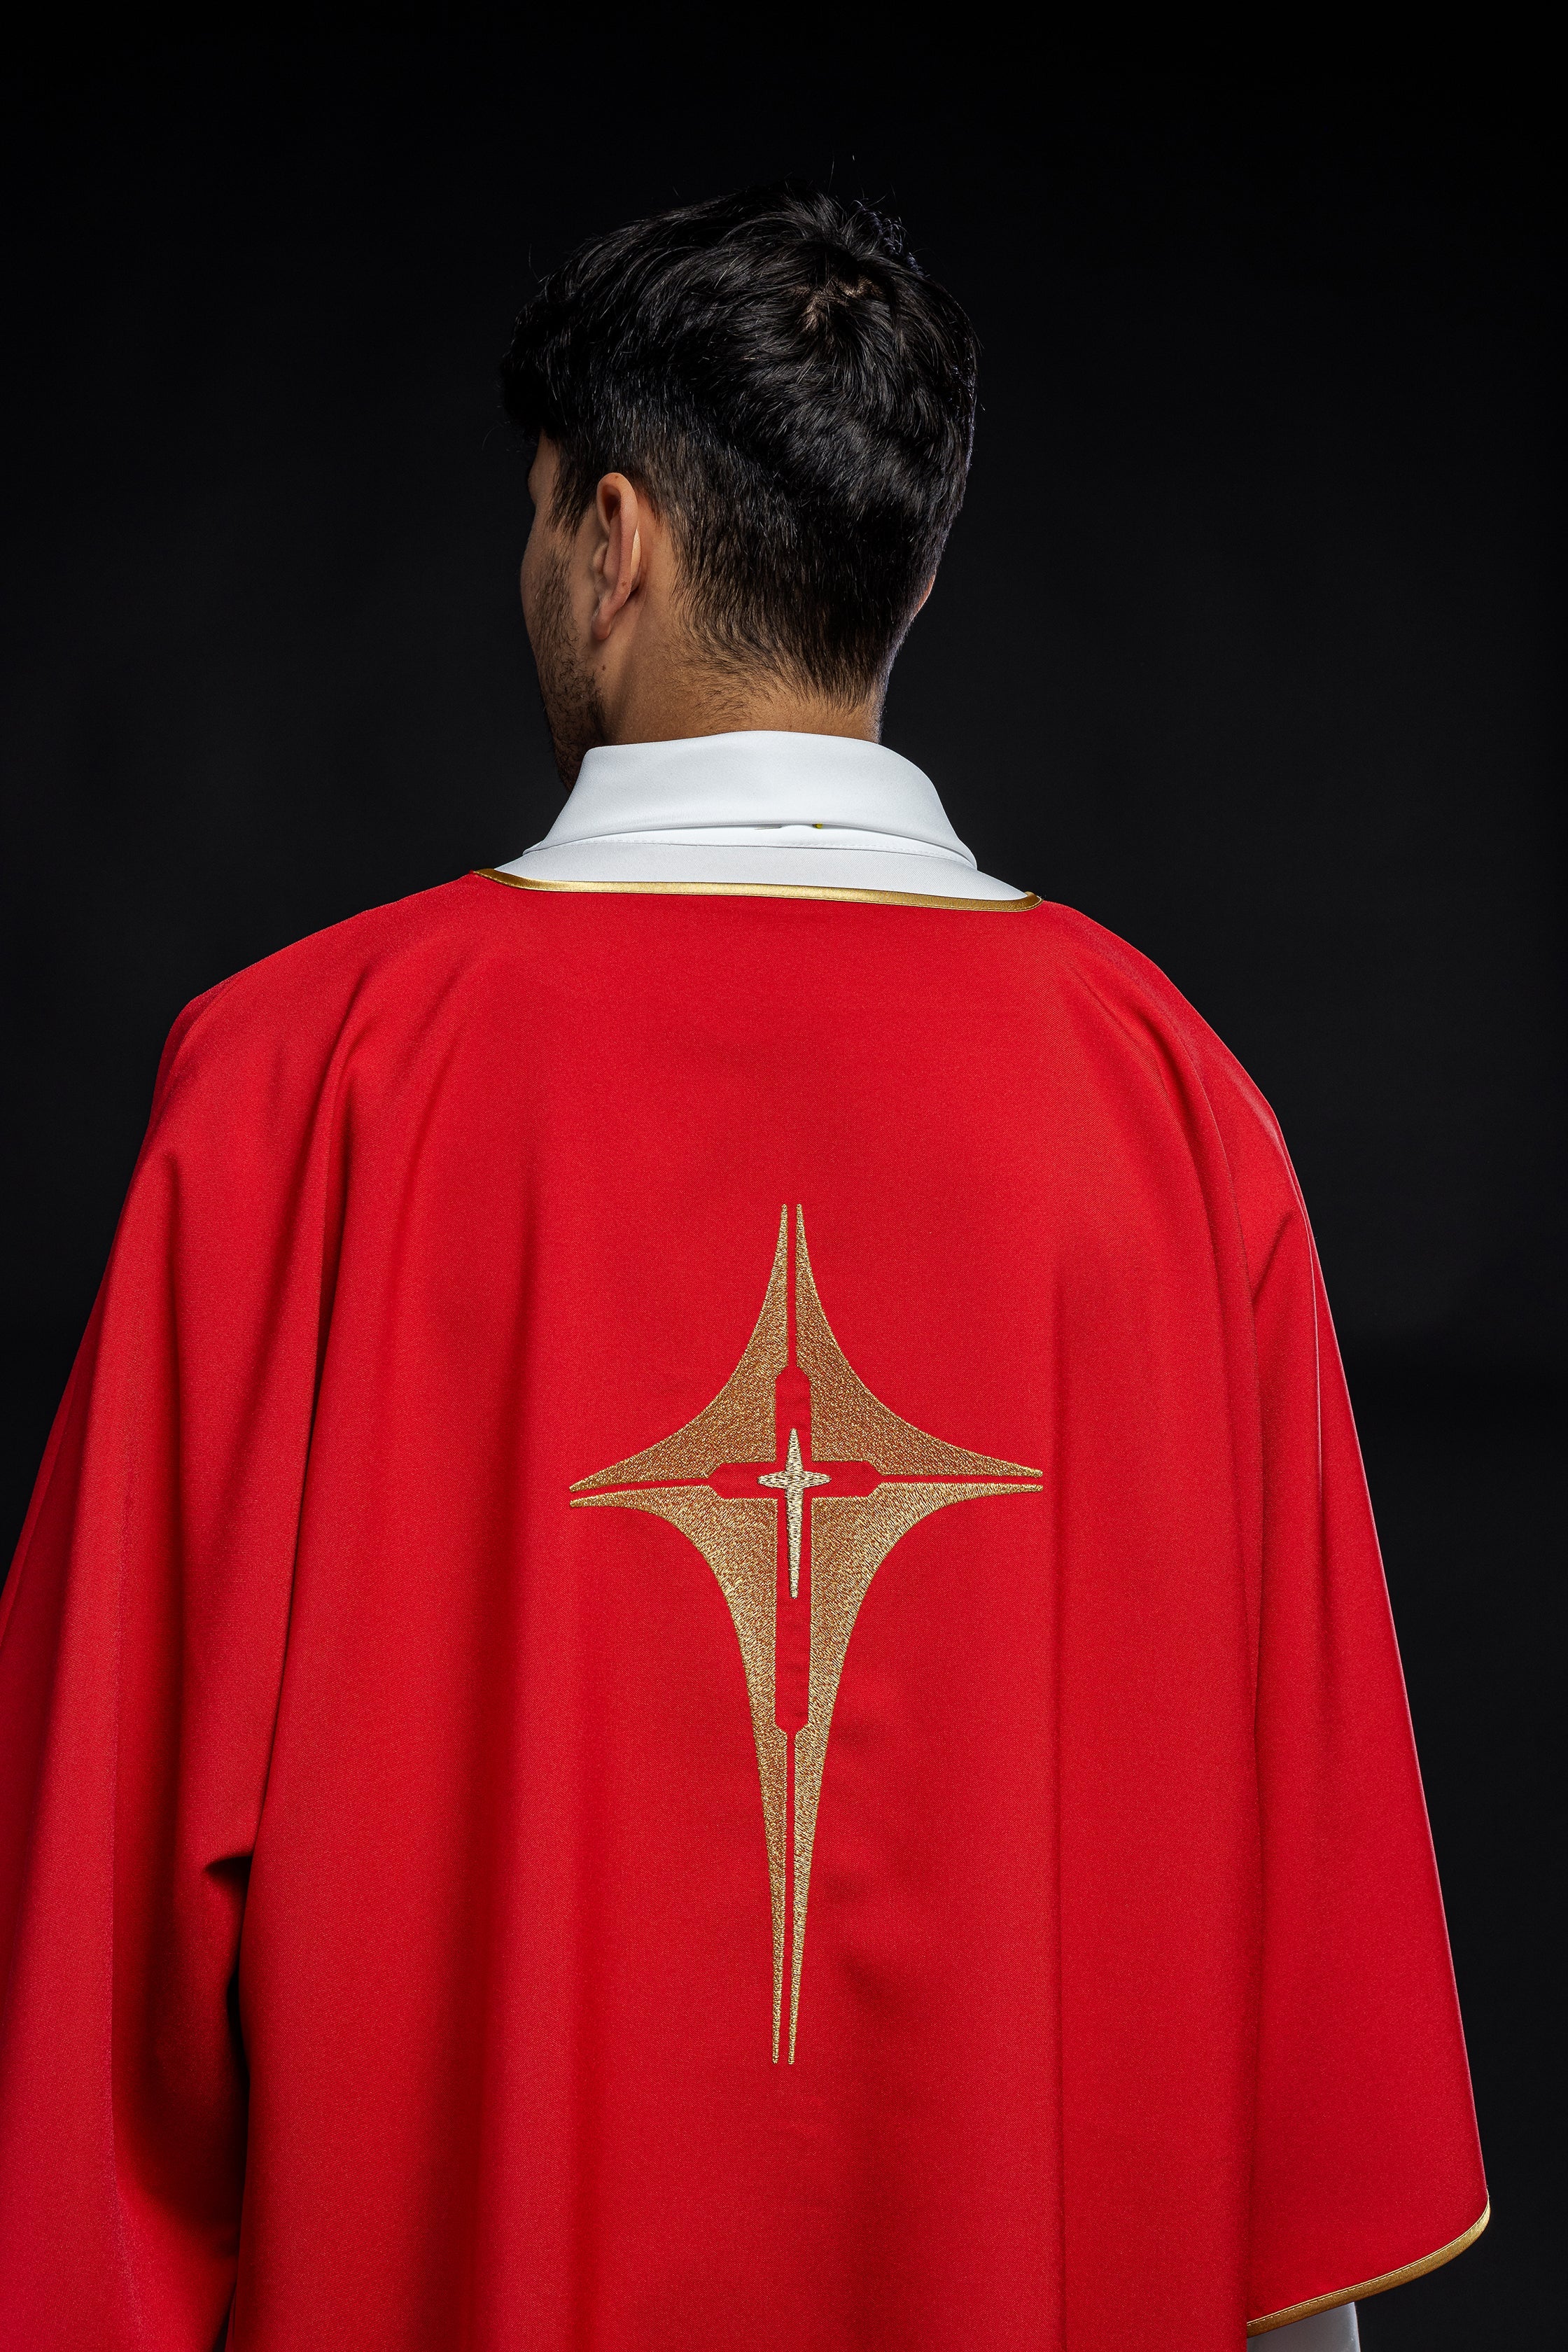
pixel 793 1481
pixel 1379 2286
pixel 716 1478
pixel 768 890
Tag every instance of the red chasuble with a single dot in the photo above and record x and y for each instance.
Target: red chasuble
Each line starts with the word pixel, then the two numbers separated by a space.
pixel 700 1662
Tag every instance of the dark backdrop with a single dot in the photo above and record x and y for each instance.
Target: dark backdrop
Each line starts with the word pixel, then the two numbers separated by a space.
pixel 1244 645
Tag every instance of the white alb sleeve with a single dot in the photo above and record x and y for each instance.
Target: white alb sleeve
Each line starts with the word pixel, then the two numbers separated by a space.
pixel 1326 2331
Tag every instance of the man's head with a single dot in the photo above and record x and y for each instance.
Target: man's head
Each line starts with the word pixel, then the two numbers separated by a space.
pixel 753 419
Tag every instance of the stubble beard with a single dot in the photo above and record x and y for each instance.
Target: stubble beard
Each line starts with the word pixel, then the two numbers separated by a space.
pixel 567 689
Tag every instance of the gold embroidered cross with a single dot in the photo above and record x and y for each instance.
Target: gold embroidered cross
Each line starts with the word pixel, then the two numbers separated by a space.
pixel 794 1479
pixel 794 1577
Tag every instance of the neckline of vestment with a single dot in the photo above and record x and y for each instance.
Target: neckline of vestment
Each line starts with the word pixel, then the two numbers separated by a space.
pixel 1016 902
pixel 759 812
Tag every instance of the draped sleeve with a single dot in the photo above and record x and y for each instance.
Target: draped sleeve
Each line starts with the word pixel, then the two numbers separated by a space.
pixel 1366 2165
pixel 142 1640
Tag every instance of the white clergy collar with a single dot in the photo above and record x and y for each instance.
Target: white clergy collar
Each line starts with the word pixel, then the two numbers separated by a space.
pixel 758 807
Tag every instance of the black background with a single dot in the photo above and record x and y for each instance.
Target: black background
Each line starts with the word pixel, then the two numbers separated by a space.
pixel 1245 645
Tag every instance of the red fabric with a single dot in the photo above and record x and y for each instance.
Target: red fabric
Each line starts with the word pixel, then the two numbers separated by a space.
pixel 384 1901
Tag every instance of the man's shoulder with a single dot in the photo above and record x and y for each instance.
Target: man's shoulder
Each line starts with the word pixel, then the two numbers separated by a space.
pixel 1131 984
pixel 1131 995
pixel 284 1016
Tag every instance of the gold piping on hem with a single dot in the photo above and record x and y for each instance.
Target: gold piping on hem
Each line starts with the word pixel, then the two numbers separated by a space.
pixel 1401 2278
pixel 769 890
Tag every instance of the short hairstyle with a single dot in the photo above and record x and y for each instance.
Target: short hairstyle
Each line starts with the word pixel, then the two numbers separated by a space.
pixel 778 377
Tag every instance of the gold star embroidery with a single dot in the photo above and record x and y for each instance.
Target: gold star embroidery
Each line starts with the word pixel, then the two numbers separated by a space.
pixel 795 1485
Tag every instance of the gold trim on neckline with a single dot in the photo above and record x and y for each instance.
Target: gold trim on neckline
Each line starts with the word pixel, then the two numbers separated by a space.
pixel 768 890
pixel 1376 2286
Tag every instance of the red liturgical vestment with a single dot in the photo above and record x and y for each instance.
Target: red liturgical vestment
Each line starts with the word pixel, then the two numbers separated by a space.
pixel 701 1666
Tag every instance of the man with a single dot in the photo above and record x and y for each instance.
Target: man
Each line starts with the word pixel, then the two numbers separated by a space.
pixel 700 1660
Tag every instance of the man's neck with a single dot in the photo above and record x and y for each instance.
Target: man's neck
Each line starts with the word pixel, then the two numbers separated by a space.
pixel 673 703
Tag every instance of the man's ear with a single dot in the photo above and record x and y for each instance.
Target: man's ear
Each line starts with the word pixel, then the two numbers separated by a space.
pixel 619 550
pixel 925 591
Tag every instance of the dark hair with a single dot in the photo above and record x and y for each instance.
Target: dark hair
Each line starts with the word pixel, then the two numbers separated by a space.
pixel 776 374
